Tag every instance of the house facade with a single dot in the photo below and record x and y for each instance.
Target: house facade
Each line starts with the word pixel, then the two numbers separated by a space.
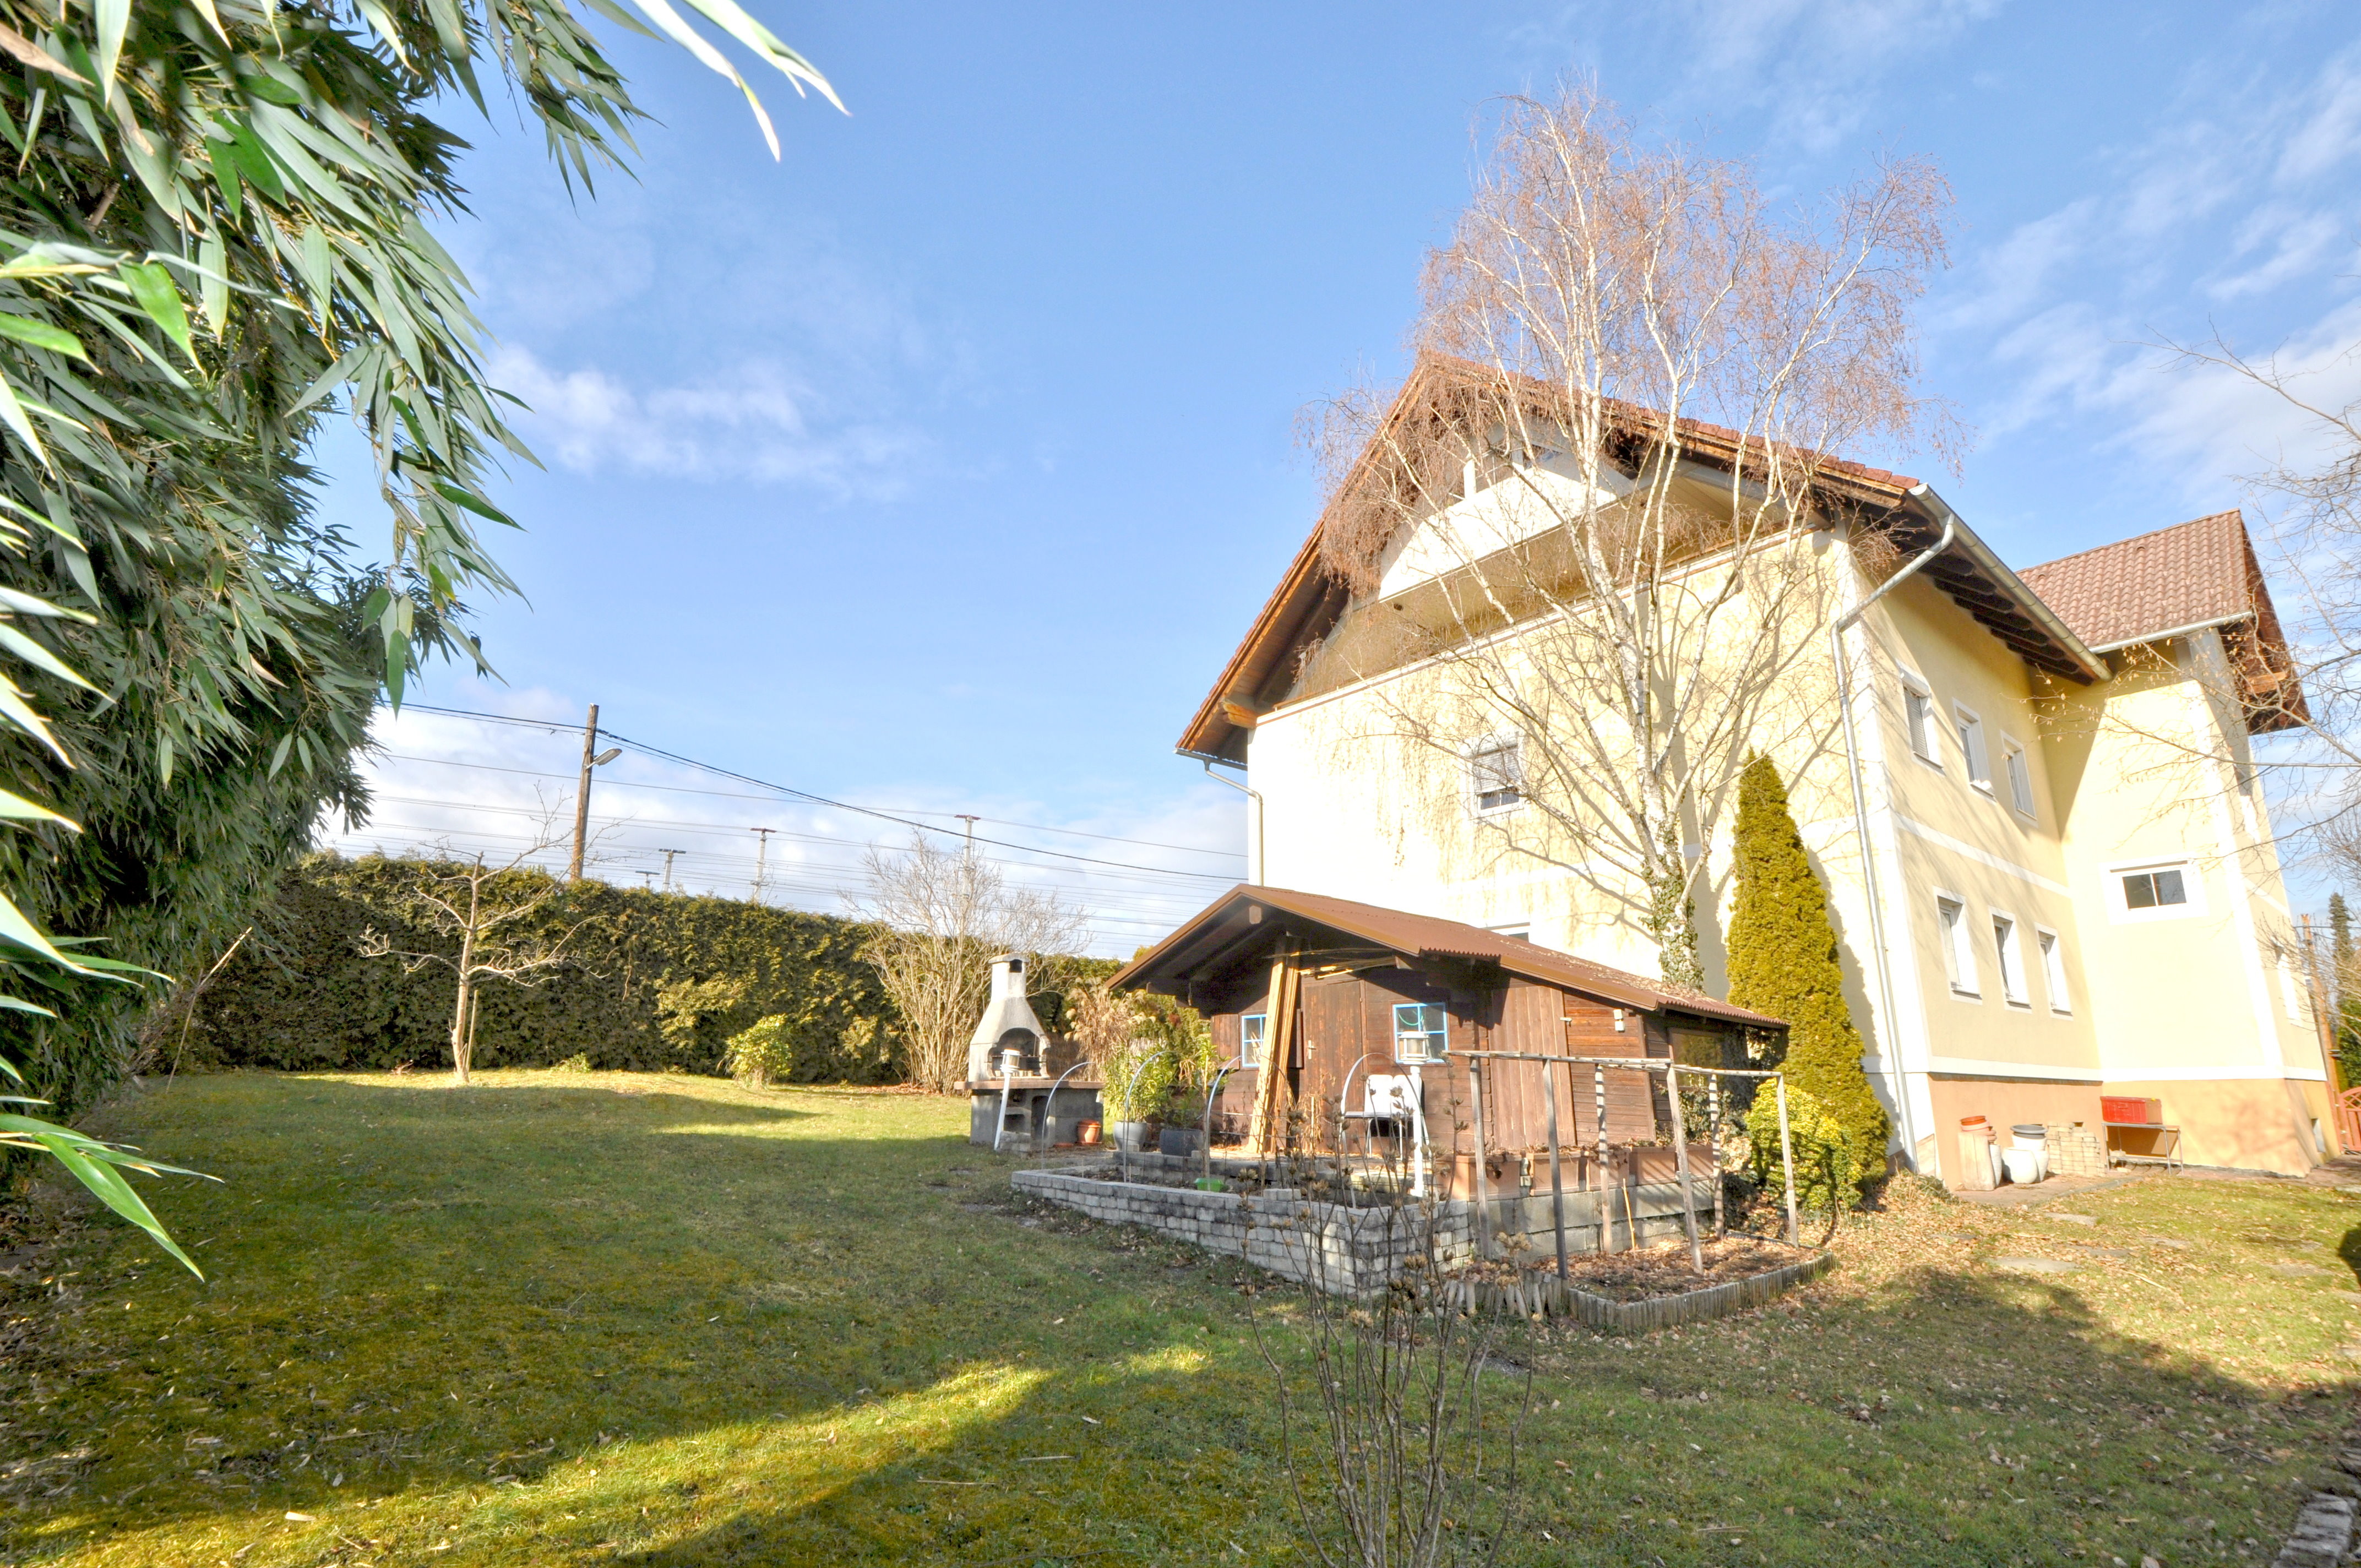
pixel 2049 857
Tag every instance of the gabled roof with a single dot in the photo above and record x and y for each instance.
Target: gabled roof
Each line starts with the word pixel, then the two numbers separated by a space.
pixel 1231 920
pixel 1309 600
pixel 2201 573
pixel 2192 577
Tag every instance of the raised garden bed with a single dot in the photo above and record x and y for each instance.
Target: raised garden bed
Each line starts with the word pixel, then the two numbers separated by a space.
pixel 1633 1292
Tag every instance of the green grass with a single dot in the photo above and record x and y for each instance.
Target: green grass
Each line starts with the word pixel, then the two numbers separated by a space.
pixel 559 1319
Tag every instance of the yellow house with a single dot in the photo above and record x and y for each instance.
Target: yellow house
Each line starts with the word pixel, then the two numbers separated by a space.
pixel 2050 862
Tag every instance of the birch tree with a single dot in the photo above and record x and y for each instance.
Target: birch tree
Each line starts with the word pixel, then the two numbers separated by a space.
pixel 1634 367
pixel 943 915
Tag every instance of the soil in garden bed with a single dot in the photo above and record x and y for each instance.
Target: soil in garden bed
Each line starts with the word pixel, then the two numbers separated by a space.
pixel 1661 1270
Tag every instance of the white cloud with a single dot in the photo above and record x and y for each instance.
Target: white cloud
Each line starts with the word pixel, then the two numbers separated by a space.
pixel 1810 66
pixel 755 422
pixel 2298 242
pixel 1136 868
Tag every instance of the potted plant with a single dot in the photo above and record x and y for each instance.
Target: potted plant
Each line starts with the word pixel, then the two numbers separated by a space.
pixel 1184 1122
pixel 1138 1080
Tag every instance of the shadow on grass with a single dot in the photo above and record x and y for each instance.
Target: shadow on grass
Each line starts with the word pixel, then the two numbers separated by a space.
pixel 553 1323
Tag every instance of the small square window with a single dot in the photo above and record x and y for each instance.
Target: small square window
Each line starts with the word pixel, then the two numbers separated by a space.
pixel 1495 776
pixel 2020 777
pixel 2153 890
pixel 1250 1037
pixel 1421 1032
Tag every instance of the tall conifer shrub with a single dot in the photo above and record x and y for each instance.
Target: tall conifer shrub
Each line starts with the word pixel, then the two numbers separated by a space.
pixel 1783 960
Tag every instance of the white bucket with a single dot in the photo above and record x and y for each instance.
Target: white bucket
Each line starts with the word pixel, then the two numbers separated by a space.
pixel 2024 1165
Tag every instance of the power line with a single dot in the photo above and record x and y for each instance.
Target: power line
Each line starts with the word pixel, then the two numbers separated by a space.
pixel 895 814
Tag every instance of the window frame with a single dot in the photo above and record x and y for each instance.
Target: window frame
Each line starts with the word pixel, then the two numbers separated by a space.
pixel 1487 746
pixel 1959 948
pixel 2052 948
pixel 1975 753
pixel 2192 886
pixel 2008 944
pixel 1261 1038
pixel 2016 766
pixel 1918 720
pixel 1439 1054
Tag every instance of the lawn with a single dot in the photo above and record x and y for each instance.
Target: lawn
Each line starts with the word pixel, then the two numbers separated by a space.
pixel 605 1318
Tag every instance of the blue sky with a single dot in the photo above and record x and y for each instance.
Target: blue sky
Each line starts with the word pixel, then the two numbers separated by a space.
pixel 939 466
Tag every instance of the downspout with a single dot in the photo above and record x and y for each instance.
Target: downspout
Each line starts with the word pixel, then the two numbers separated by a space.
pixel 1891 1048
pixel 1254 817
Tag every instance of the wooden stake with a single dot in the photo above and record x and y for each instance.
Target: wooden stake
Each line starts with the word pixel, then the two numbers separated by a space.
pixel 1278 1044
pixel 1680 1162
pixel 1557 1178
pixel 1713 1149
pixel 1787 1163
pixel 1482 1207
pixel 1606 1169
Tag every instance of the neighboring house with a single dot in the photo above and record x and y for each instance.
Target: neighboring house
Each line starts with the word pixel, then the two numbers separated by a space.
pixel 2070 855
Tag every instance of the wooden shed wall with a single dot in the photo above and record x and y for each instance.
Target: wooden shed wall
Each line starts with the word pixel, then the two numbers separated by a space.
pixel 1347 1019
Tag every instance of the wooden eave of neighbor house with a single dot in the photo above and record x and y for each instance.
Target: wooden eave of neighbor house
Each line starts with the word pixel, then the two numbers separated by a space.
pixel 1311 600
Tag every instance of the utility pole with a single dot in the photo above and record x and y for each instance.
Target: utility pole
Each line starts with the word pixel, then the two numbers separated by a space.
pixel 668 854
pixel 762 858
pixel 591 757
pixel 970 822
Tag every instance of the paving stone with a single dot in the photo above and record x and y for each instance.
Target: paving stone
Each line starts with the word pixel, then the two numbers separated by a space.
pixel 2070 1219
pixel 2175 1243
pixel 2035 1265
pixel 2299 1270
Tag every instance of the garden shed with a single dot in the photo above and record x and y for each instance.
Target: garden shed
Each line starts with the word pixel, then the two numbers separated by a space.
pixel 1330 1009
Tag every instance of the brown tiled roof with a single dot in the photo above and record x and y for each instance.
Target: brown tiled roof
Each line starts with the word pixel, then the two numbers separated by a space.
pixel 2188 575
pixel 2199 573
pixel 1424 935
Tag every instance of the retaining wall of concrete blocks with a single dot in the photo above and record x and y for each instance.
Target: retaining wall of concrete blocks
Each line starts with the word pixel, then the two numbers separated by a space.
pixel 1349 1250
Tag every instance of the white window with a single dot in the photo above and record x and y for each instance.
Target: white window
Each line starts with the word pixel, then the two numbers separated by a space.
pixel 1972 746
pixel 1959 955
pixel 2020 777
pixel 1496 775
pixel 2053 970
pixel 1421 1032
pixel 2011 960
pixel 1250 1036
pixel 1918 709
pixel 2143 891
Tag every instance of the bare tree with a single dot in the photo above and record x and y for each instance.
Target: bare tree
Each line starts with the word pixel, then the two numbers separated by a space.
pixel 2297 672
pixel 1612 457
pixel 483 905
pixel 943 915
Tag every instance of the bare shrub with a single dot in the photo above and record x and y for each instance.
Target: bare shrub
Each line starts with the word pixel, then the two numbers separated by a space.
pixel 943 915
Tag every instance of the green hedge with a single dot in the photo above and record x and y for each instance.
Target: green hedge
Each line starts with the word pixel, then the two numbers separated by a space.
pixel 657 980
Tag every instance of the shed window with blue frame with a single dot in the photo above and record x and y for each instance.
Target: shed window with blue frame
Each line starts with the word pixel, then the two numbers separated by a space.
pixel 1250 1037
pixel 1421 1030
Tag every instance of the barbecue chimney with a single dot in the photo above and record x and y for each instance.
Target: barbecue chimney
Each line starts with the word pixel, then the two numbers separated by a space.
pixel 1008 1025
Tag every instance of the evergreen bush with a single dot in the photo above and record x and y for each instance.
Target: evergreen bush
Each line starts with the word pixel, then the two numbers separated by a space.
pixel 1828 1159
pixel 1784 961
pixel 660 981
pixel 761 1052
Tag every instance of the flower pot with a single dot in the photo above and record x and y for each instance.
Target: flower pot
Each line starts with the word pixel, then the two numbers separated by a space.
pixel 1181 1141
pixel 1086 1134
pixel 1132 1137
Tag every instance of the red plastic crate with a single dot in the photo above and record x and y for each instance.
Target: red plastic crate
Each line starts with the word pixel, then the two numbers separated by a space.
pixel 2130 1108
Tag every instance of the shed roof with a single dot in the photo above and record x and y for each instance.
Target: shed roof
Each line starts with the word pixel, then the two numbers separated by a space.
pixel 1221 924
